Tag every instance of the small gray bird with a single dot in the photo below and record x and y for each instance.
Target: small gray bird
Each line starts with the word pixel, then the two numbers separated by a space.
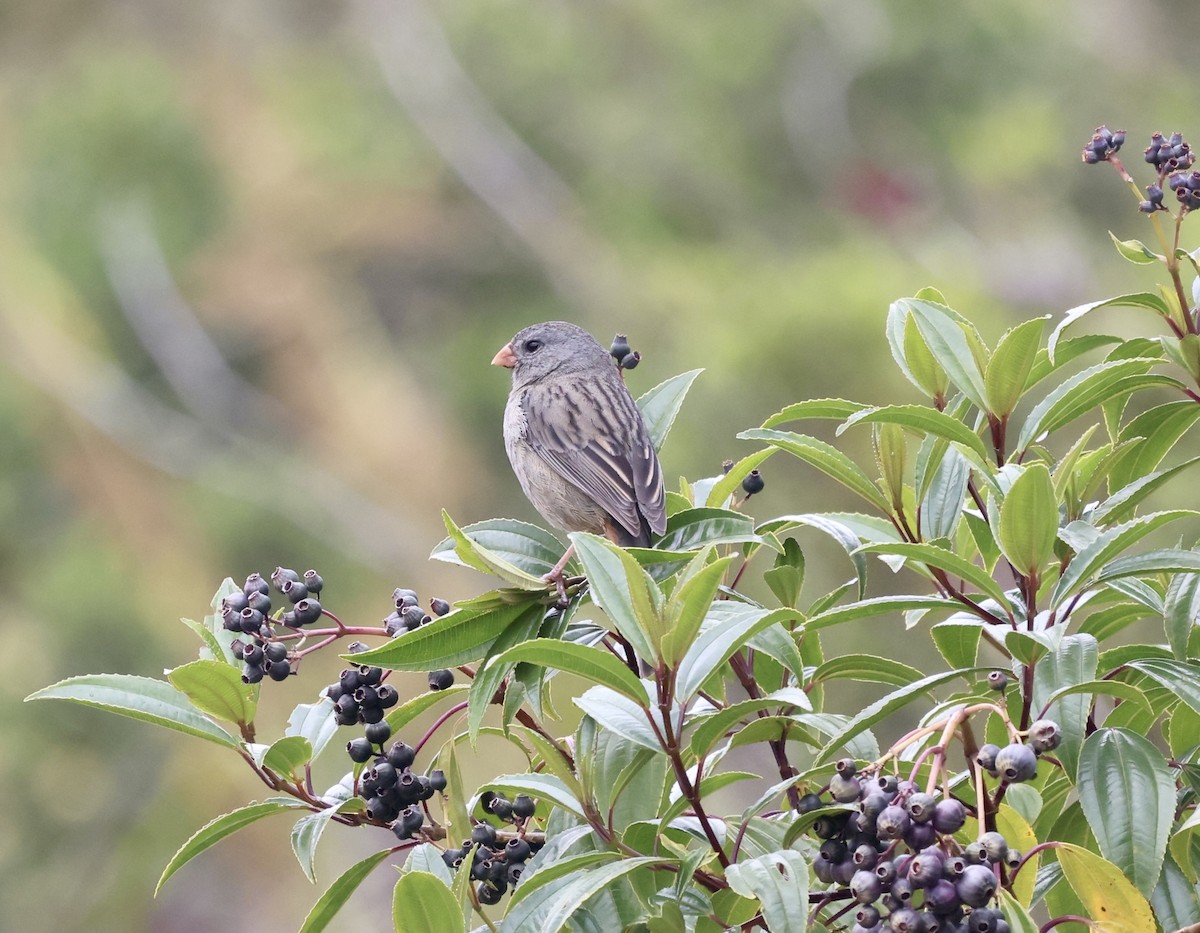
pixel 576 439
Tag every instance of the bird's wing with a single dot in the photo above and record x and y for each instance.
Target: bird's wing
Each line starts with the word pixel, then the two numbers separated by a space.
pixel 593 435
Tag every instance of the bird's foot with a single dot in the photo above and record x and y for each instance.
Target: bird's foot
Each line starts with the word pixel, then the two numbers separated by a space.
pixel 556 577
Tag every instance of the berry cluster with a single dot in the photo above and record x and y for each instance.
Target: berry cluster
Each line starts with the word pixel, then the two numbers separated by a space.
pixel 625 357
pixel 361 696
pixel 393 793
pixel 1186 186
pixel 896 853
pixel 408 616
pixel 249 613
pixel 1104 143
pixel 496 864
pixel 1169 155
pixel 1017 761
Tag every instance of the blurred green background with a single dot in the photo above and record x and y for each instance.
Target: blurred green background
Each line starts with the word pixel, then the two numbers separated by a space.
pixel 255 257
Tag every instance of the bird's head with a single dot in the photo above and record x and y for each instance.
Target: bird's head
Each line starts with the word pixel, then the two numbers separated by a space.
pixel 553 347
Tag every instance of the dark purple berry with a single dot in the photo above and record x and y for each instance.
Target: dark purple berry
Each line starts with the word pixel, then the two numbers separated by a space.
pixel 976 885
pixel 942 898
pixel 489 893
pixel 986 757
pixel 920 835
pixel 620 348
pixel 524 806
pixel 234 602
pixel 892 823
pixel 808 803
pixel 865 887
pixel 414 617
pixel 393 624
pixel 905 920
pixel 253 654
pixel 259 601
pixel 370 714
pixel 378 732
pixel 313 581
pixel 404 598
pixel 278 670
pixel 252 674
pixel 517 850
pixel 252 621
pixel 1016 763
pixel 865 856
pixel 294 590
pixel 256 584
pixel 439 607
pixel 1044 736
pixel 360 750
pixel 995 845
pixel 845 789
pixel 437 780
pixel 387 696
pixel 370 676
pixel 997 680
pixel 631 361
pixel 949 816
pixel 483 834
pixel 753 483
pixel 925 870
pixel 401 756
pixel 440 680
pixel 307 611
pixel 276 651
pixel 920 807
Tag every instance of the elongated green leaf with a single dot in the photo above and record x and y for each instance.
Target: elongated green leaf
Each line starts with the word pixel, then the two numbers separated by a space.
pixel 543 787
pixel 711 728
pixel 1113 688
pixel 693 529
pixel 1128 795
pixel 491 673
pixel 838 527
pixel 826 458
pixel 1029 520
pixel 474 555
pixel 958 640
pixel 911 352
pixel 618 713
pixel 867 668
pixel 1175 900
pixel 526 547
pixel 882 708
pixel 308 831
pixel 1182 678
pixel 594 664
pixel 661 405
pixel 326 908
pixel 288 756
pixel 406 712
pixel 1010 365
pixel 548 898
pixel 138 698
pixel 624 591
pixel 1073 660
pixel 948 561
pixel 831 409
pixel 1081 393
pixel 462 636
pixel 688 607
pixel 1181 612
pixel 226 825
pixel 779 881
pixel 422 903
pixel 1140 300
pixel 948 342
pixel 725 486
pixel 1124 500
pixel 1160 428
pixel 925 420
pixel 1167 560
pixel 1109 544
pixel 315 722
pixel 1110 901
pixel 216 688
pixel 944 488
pixel 717 644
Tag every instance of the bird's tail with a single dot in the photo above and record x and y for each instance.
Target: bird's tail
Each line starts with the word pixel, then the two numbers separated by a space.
pixel 620 535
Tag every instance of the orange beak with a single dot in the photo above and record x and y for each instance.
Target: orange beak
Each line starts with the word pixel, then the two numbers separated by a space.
pixel 505 357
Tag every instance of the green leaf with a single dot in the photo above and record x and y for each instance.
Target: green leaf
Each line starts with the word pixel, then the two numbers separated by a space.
pixel 688 607
pixel 1175 900
pixel 779 881
pixel 427 857
pixel 1139 300
pixel 474 555
pixel 826 458
pixel 618 713
pixel 926 421
pixel 712 728
pixel 460 637
pixel 1179 677
pixel 837 527
pixel 1029 520
pixel 1124 500
pixel 1073 660
pixel 875 606
pixel 1093 559
pixel 593 664
pixel 542 787
pixel 216 830
pixel 661 405
pixel 948 342
pixel 308 831
pixel 315 722
pixel 626 593
pixel 406 712
pixel 786 577
pixel 942 505
pixel 867 668
pixel 139 698
pixel 326 908
pixel 945 560
pixel 216 688
pixel 1083 392
pixel 526 547
pixel 717 644
pixel 1160 427
pixel 1128 795
pixel 832 409
pixel 1015 913
pixel 1110 901
pixel 1009 368
pixel 958 641
pixel 1181 610
pixel 883 708
pixel 731 482
pixel 693 529
pixel 919 361
pixel 422 903
pixel 492 671
pixel 288 756
pixel 1135 250
pixel 551 896
pixel 1167 560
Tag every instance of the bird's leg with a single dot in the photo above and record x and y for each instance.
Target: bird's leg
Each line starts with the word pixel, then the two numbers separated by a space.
pixel 555 576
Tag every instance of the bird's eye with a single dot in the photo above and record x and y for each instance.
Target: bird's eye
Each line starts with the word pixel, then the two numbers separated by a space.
pixel 532 346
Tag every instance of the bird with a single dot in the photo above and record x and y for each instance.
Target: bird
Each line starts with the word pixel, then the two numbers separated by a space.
pixel 577 441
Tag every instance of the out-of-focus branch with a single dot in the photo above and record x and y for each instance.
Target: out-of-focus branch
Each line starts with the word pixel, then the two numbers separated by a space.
pixel 181 445
pixel 487 155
